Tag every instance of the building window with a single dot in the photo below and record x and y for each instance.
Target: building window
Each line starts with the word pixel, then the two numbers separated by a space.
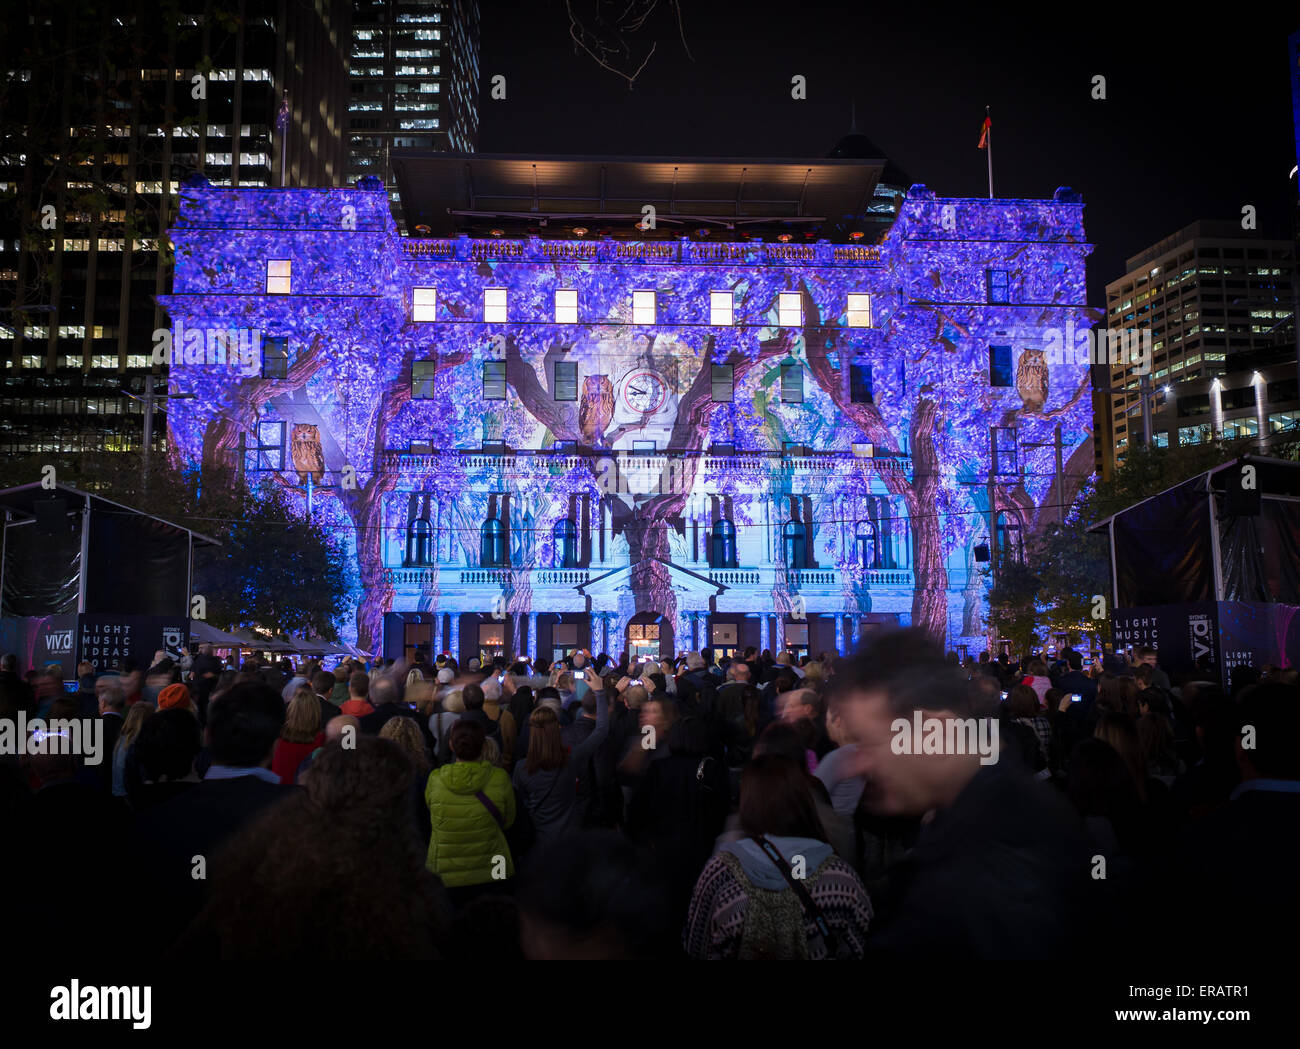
pixel 424 304
pixel 643 307
pixel 422 376
pixel 792 382
pixel 723 389
pixel 1009 534
pixel 565 535
pixel 721 308
pixel 275 358
pixel 789 309
pixel 722 545
pixel 266 450
pixel 868 545
pixel 1000 366
pixel 494 380
pixel 566 306
pixel 492 544
pixel 494 305
pixel 566 380
pixel 859 310
pixel 419 542
pixel 278 277
pixel 861 390
pixel 1005 449
pixel 794 545
pixel 998 284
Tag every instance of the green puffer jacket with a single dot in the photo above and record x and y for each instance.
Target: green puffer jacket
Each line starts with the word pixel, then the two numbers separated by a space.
pixel 465 835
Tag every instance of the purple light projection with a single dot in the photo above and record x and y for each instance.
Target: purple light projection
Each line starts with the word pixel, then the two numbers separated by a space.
pixel 392 429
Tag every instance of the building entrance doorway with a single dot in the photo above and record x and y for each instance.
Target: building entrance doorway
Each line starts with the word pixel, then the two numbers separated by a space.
pixel 643 637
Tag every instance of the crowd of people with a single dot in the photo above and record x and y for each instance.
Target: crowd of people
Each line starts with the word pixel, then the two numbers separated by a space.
pixel 751 806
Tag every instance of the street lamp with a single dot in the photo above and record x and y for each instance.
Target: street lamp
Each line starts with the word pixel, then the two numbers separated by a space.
pixel 150 398
pixel 1146 393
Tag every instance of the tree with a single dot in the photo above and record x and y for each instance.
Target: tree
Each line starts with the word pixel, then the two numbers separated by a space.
pixel 1073 565
pixel 276 569
pixel 1013 605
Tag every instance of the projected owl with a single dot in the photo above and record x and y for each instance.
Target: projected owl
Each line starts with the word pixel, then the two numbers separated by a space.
pixel 308 458
pixel 1031 379
pixel 596 409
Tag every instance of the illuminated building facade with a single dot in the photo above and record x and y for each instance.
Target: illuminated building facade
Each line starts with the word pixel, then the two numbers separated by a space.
pixel 701 432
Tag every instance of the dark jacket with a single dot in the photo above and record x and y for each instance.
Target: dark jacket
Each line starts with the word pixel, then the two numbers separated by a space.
pixel 382 714
pixel 551 795
pixel 1003 872
pixel 1236 874
pixel 169 837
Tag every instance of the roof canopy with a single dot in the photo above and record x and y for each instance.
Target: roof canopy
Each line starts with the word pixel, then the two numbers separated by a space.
pixel 1191 543
pixel 451 193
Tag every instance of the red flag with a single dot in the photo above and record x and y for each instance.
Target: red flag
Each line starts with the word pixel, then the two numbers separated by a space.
pixel 984 134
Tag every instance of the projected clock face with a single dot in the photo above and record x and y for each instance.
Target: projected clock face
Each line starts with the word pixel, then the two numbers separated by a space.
pixel 645 392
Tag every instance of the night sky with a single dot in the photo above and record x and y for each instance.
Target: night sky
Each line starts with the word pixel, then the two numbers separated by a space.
pixel 1197 120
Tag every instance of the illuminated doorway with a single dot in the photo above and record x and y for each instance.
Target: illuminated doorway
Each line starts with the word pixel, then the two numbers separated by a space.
pixel 643 637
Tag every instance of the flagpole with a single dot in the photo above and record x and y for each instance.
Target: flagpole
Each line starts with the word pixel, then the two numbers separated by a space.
pixel 989 145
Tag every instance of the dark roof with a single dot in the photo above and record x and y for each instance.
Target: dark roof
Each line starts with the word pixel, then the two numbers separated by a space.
pixel 20 502
pixel 471 193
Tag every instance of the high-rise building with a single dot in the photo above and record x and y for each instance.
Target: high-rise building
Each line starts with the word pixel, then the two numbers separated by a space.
pixel 1195 300
pixel 107 109
pixel 413 82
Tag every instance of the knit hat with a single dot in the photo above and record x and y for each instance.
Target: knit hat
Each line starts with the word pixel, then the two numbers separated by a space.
pixel 445 676
pixel 174 696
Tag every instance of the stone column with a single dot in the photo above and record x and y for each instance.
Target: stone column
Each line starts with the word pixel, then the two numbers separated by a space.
pixel 532 635
pixel 597 632
pixel 454 643
pixel 436 639
pixel 764 625
pixel 778 642
pixel 839 634
pixel 682 631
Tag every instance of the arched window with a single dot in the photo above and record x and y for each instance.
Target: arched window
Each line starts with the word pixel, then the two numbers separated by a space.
pixel 565 536
pixel 722 545
pixel 492 544
pixel 868 544
pixel 794 545
pixel 1010 542
pixel 419 542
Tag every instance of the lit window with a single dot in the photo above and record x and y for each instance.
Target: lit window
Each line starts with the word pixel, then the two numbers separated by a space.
pixel 721 307
pixel 790 309
pixel 277 277
pixel 643 307
pixel 494 305
pixel 566 306
pixel 425 304
pixel 859 310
